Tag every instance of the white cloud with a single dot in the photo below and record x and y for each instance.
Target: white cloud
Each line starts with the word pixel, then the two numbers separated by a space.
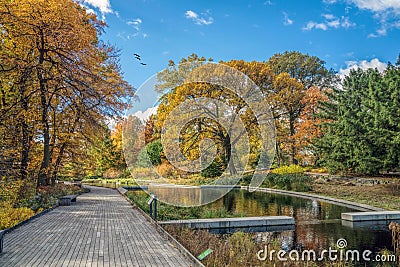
pixel 198 19
pixel 286 20
pixel 331 21
pixel 378 5
pixel 103 5
pixel 386 12
pixel 135 23
pixel 90 11
pixel 328 16
pixel 146 114
pixel 364 64
pixel 313 25
pixel 346 23
pixel 334 23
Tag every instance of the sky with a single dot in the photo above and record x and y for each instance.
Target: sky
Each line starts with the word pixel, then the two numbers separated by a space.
pixel 344 33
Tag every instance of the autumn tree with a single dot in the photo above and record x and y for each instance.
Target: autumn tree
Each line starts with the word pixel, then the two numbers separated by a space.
pixel 65 81
pixel 295 74
pixel 308 127
pixel 226 137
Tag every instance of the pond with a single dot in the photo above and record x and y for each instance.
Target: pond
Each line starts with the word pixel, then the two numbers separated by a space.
pixel 318 224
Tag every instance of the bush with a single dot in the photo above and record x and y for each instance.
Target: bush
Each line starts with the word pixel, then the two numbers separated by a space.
pixel 9 190
pixel 151 151
pixel 10 216
pixel 288 169
pixel 290 181
pixel 165 169
pixel 215 169
pixel 154 150
pixel 48 196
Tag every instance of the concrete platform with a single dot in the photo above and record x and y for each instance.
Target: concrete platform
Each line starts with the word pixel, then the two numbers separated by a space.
pixel 371 216
pixel 370 225
pixel 219 223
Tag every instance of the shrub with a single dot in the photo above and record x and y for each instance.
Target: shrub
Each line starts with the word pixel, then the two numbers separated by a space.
pixel 290 181
pixel 48 196
pixel 215 169
pixel 165 169
pixel 154 150
pixel 10 216
pixel 395 228
pixel 9 190
pixel 151 151
pixel 288 169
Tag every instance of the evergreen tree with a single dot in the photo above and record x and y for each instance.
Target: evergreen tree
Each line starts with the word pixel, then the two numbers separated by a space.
pixel 362 133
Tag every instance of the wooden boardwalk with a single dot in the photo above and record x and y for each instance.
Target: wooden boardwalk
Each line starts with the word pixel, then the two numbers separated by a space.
pixel 101 229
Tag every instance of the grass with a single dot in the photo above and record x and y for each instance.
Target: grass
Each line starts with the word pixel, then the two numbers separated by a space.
pixel 382 195
pixel 239 249
pixel 167 212
pixel 110 182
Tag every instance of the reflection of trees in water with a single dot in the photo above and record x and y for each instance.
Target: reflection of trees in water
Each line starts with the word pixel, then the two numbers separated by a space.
pixel 311 230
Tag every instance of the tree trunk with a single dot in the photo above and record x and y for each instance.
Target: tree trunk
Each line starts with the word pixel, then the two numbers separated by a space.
pixel 292 152
pixel 44 167
pixel 43 178
pixel 228 155
pixel 26 137
pixel 57 163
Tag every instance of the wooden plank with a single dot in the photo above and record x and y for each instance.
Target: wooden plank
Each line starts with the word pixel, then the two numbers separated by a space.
pixel 102 229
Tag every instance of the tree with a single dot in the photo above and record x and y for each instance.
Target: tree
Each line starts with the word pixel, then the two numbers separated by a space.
pixel 212 120
pixel 295 74
pixel 309 70
pixel 308 127
pixel 288 101
pixel 61 74
pixel 106 152
pixel 361 135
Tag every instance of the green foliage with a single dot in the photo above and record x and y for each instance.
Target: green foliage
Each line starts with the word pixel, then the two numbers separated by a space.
pixel 167 212
pixel 215 169
pixel 289 181
pixel 104 155
pixel 309 70
pixel 153 152
pixel 362 135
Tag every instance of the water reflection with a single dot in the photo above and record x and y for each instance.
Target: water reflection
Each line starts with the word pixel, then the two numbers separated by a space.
pixel 318 224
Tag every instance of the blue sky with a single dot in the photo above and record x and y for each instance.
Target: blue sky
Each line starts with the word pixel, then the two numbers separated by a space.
pixel 344 33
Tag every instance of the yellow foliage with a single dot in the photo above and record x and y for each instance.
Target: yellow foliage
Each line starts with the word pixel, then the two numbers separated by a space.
pixel 9 190
pixel 10 216
pixel 288 169
pixel 165 169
